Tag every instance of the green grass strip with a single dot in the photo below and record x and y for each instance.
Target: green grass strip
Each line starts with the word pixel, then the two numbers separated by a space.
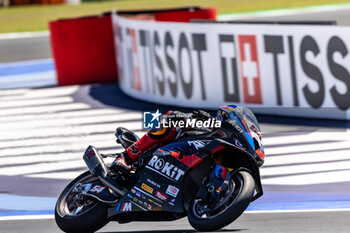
pixel 36 17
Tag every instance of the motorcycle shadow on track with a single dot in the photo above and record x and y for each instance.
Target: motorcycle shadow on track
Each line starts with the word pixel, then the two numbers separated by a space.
pixel 107 94
pixel 174 231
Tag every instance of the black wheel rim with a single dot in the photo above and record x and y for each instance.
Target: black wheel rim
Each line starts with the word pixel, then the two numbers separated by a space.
pixel 233 191
pixel 69 205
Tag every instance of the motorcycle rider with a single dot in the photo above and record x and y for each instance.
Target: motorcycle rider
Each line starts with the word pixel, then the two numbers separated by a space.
pixel 158 137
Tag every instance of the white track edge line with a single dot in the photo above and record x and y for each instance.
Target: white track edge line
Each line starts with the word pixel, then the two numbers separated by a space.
pixel 26 217
pixel 47 216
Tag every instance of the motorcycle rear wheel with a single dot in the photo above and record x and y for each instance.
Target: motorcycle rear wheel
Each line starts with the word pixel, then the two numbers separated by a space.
pixel 241 194
pixel 89 217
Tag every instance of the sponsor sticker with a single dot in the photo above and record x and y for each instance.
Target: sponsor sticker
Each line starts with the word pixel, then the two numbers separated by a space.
pixel 124 207
pixel 91 153
pixel 153 183
pixel 172 202
pixel 161 196
pixel 127 207
pixel 165 168
pixel 147 188
pixel 172 191
pixel 197 144
pixel 239 144
pixel 157 204
pixel 97 189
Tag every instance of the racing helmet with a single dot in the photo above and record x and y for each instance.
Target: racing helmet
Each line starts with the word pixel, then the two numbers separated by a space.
pixel 224 112
pixel 247 121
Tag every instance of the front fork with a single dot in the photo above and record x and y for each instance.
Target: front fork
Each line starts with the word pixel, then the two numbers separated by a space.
pixel 220 179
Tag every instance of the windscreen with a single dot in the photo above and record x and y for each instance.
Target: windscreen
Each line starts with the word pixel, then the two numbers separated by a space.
pixel 243 113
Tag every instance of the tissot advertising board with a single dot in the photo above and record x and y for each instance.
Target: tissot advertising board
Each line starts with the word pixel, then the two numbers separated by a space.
pixel 289 70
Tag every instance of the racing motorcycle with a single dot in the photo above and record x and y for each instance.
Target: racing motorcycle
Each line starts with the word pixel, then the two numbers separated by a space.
pixel 209 176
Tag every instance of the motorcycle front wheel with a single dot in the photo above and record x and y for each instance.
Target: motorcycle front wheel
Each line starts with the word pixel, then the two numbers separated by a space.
pixel 238 196
pixel 73 214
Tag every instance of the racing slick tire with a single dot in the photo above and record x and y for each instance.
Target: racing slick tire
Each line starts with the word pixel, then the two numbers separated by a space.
pixel 89 219
pixel 243 191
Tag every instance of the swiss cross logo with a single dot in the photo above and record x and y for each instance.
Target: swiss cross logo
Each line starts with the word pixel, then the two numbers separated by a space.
pixel 250 73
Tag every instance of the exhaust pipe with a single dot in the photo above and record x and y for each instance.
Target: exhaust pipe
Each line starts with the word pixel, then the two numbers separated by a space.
pixel 112 185
pixel 98 168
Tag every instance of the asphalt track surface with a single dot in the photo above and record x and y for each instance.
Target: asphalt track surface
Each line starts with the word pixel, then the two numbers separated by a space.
pixel 327 222
pixel 22 49
pixel 38 48
pixel 42 149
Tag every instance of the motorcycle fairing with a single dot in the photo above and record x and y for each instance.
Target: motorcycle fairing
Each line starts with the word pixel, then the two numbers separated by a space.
pixel 100 192
pixel 187 152
pixel 239 158
pixel 152 192
pixel 160 187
